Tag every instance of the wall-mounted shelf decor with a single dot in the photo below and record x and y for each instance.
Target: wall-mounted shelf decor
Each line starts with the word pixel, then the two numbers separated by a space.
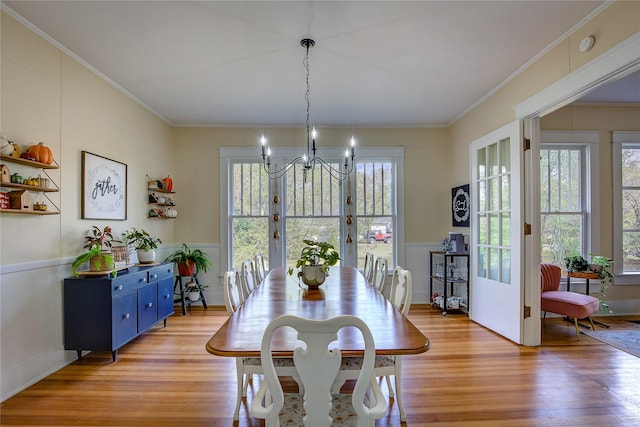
pixel 19 200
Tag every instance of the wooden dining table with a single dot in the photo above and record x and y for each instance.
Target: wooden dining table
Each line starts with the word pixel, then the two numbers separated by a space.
pixel 345 291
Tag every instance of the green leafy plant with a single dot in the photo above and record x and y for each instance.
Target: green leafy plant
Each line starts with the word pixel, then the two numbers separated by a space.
pixel 317 253
pixel 102 239
pixel 140 239
pixel 576 263
pixel 185 255
pixel 194 287
pixel 86 257
pixel 606 278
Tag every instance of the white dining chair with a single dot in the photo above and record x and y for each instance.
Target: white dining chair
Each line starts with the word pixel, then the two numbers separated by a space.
pixel 246 278
pixel 380 272
pixel 259 266
pixel 318 363
pixel 367 271
pixel 246 367
pixel 385 366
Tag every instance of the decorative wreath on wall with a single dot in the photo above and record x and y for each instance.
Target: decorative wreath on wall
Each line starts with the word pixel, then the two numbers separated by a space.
pixel 460 206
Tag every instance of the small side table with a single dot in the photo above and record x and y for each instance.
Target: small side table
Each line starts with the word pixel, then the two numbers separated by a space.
pixel 586 275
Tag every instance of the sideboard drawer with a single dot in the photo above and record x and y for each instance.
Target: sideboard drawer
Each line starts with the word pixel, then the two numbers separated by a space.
pixel 158 273
pixel 129 282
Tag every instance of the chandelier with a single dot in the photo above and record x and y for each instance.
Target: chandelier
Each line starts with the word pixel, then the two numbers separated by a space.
pixel 309 159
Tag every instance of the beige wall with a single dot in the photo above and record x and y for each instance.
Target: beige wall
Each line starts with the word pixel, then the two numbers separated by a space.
pixel 47 96
pixel 615 24
pixel 196 165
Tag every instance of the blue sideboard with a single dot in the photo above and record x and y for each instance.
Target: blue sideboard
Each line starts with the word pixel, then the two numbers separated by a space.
pixel 104 313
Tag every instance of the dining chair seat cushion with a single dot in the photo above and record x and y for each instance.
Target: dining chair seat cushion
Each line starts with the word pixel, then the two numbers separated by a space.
pixel 350 363
pixel 278 362
pixel 341 410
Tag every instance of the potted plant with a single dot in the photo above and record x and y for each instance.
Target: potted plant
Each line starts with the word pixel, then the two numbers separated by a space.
pixel 604 267
pixel 189 260
pixel 99 242
pixel 576 263
pixel 314 262
pixel 193 289
pixel 143 243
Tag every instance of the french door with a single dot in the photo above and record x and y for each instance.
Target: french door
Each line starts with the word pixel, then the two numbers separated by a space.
pixel 497 285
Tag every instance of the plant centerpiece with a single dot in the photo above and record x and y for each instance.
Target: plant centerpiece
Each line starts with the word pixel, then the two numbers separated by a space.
pixel 144 244
pixel 99 256
pixel 314 262
pixel 189 260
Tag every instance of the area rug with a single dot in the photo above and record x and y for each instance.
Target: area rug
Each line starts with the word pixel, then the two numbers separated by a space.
pixel 625 340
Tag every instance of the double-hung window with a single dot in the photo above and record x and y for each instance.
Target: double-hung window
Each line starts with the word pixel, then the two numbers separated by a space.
pixel 626 206
pixel 358 215
pixel 567 208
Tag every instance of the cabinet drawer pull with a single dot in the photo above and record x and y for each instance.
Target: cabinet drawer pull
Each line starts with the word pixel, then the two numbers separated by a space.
pixel 155 276
pixel 126 316
pixel 167 296
pixel 144 279
pixel 150 305
pixel 119 288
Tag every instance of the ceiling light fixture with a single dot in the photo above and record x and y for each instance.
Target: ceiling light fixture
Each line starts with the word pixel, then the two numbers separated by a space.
pixel 308 159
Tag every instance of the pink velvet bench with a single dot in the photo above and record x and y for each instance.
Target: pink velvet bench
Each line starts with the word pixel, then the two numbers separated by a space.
pixel 570 304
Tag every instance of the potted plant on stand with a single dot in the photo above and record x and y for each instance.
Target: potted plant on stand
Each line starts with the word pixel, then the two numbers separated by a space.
pixel 99 255
pixel 314 262
pixel 193 289
pixel 189 260
pixel 144 244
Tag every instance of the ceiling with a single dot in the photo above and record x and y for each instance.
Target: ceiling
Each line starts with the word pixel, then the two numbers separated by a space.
pixel 240 63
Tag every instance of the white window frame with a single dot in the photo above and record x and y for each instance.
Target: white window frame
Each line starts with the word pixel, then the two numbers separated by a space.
pixel 590 140
pixel 619 138
pixel 231 155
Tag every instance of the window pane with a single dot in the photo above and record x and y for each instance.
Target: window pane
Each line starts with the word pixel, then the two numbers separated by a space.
pixel 631 254
pixel 249 238
pixel 298 229
pixel 482 163
pixel 505 237
pixel 631 209
pixel 482 262
pixel 494 194
pixel 483 230
pixel 505 262
pixel 494 230
pixel 560 236
pixel 482 196
pixel 505 156
pixel 375 235
pixel 494 263
pixel 493 159
pixel 631 167
pixel 505 195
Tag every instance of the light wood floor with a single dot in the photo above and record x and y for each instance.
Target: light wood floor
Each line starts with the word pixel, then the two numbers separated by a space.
pixel 470 377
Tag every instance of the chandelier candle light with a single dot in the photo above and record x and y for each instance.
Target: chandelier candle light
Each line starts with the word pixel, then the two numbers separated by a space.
pixel 308 159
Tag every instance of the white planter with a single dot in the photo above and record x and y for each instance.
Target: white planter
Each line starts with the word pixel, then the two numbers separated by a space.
pixel 146 256
pixel 313 275
pixel 193 296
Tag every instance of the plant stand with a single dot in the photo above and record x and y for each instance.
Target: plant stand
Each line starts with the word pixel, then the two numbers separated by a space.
pixel 178 289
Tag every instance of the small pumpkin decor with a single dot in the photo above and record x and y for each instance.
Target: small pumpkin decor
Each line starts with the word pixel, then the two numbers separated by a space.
pixel 314 262
pixel 167 183
pixel 41 152
pixel 189 261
